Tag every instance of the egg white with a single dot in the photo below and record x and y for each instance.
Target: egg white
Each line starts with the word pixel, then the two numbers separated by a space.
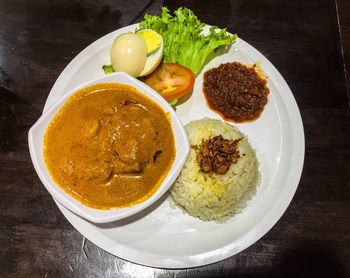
pixel 129 54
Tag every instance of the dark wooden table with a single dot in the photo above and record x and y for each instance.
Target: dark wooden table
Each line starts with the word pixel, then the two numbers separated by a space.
pixel 307 41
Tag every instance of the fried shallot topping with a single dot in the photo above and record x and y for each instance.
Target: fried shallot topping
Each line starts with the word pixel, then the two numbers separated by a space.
pixel 216 154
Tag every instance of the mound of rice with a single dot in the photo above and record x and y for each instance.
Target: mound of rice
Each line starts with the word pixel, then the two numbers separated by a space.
pixel 212 196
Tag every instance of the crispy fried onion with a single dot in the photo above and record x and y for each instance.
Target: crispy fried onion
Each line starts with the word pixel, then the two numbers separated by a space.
pixel 216 154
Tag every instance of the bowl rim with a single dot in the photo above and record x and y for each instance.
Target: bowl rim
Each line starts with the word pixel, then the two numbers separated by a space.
pixel 114 214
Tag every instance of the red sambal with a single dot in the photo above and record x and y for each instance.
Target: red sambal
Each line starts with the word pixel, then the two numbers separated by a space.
pixel 235 91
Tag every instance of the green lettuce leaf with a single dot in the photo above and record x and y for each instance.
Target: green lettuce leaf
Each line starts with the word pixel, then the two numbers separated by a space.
pixel 184 42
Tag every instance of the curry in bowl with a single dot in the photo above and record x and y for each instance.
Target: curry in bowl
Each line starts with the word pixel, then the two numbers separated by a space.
pixel 109 146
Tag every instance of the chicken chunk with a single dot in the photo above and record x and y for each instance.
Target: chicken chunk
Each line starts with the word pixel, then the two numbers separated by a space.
pixel 91 128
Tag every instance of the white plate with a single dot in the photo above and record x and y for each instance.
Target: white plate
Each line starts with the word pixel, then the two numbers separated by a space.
pixel 165 237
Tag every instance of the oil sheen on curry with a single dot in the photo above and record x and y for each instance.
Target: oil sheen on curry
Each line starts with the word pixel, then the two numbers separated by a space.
pixel 109 146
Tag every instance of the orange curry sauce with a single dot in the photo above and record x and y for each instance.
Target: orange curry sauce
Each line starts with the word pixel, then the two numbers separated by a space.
pixel 109 146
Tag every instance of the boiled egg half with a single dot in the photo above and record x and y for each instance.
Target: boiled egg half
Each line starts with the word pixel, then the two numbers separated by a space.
pixel 137 54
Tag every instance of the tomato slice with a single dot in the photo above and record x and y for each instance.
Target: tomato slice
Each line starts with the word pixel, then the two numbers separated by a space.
pixel 171 80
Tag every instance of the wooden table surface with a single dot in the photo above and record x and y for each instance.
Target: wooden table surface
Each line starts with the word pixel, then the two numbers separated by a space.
pixel 307 41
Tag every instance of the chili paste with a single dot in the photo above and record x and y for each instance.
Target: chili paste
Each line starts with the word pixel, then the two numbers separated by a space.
pixel 236 91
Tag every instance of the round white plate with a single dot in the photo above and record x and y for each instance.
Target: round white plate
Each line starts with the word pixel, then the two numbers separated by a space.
pixel 163 236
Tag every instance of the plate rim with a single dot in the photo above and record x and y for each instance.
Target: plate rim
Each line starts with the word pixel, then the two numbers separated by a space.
pixel 278 209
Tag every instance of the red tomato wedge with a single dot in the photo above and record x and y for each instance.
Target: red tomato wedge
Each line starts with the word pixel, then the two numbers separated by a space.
pixel 171 80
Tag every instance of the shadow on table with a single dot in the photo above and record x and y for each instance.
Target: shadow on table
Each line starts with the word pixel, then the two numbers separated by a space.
pixel 309 260
pixel 10 120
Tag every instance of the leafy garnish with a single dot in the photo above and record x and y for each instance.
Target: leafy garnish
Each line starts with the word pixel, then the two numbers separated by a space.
pixel 107 69
pixel 172 102
pixel 184 41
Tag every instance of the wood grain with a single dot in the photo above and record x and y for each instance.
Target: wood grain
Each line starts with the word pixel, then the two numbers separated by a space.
pixel 343 9
pixel 301 38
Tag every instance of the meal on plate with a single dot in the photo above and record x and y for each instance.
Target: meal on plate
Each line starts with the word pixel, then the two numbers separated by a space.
pixel 173 46
pixel 220 174
pixel 109 146
pixel 237 92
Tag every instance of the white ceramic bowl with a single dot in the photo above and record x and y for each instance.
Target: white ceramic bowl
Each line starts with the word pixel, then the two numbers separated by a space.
pixel 36 138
